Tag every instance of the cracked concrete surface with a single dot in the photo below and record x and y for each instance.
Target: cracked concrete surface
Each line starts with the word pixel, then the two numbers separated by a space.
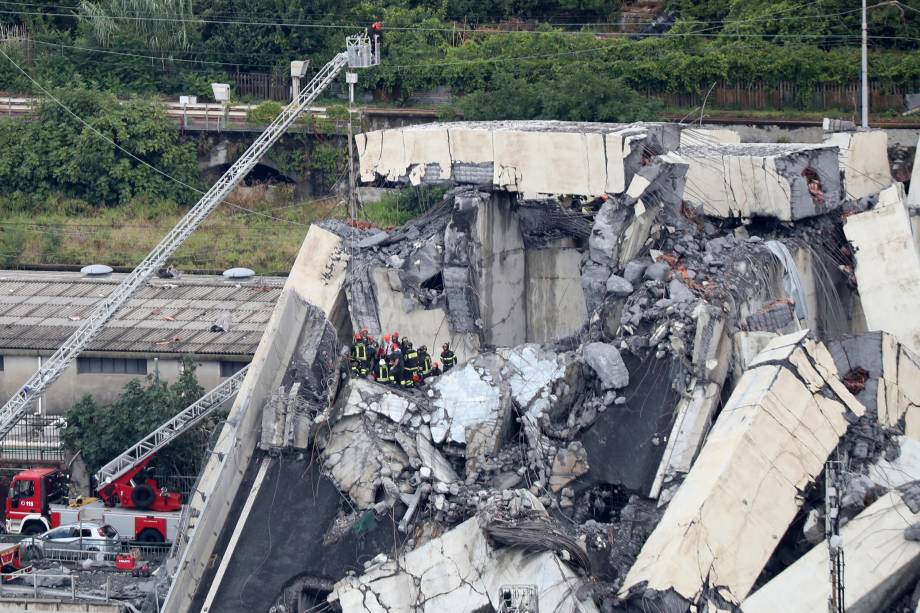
pixel 784 417
pixel 461 571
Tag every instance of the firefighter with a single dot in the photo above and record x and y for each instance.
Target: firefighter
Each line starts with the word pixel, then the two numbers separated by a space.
pixel 358 355
pixel 382 375
pixel 362 362
pixel 375 34
pixel 410 364
pixel 396 364
pixel 385 348
pixel 435 370
pixel 371 351
pixel 424 360
pixel 405 344
pixel 448 358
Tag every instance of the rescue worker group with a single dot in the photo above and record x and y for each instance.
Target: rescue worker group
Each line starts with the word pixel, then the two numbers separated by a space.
pixel 395 361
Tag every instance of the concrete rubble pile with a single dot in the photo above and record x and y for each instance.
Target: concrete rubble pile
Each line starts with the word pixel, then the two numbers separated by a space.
pixel 649 385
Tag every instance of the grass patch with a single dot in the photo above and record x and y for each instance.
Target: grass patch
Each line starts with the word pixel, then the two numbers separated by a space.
pixel 67 232
pixel 402 205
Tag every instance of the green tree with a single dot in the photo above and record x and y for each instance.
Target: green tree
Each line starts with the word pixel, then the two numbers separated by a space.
pixel 575 94
pixel 102 432
pixel 58 154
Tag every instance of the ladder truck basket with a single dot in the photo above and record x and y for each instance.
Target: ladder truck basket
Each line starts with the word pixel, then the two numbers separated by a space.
pixel 361 54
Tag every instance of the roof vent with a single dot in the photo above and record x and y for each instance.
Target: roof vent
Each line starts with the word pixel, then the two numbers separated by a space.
pixel 96 270
pixel 237 274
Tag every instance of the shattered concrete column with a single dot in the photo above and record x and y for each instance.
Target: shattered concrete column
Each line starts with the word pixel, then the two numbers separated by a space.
pixel 711 352
pixel 887 267
pixel 500 286
pixel 880 562
pixel 770 441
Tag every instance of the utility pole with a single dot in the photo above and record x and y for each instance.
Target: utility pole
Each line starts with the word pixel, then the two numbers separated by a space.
pixel 832 488
pixel 865 68
pixel 351 78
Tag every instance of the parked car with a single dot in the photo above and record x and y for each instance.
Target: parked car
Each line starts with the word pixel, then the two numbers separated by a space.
pixel 73 537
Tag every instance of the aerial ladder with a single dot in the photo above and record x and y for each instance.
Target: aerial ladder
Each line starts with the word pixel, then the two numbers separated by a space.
pixel 360 52
pixel 123 480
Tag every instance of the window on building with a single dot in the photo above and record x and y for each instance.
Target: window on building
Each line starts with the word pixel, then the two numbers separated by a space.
pixel 116 366
pixel 228 369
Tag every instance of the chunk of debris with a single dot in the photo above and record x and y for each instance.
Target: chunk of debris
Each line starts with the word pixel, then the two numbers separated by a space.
pixel 463 571
pixel 770 441
pixel 887 266
pixel 880 562
pixel 606 362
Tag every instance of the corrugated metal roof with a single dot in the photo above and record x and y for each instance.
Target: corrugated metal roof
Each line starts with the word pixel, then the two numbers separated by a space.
pixel 39 310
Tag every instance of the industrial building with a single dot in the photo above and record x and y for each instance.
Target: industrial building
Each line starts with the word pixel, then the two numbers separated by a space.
pixel 216 321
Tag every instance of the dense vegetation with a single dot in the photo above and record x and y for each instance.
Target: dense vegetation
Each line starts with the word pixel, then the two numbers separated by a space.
pixel 433 45
pixel 60 183
pixel 59 153
pixel 102 432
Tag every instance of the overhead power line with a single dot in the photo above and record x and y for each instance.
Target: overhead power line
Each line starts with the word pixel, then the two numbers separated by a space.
pixel 469 30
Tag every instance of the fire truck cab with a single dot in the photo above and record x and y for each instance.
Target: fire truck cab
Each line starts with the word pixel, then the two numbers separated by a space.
pixel 31 494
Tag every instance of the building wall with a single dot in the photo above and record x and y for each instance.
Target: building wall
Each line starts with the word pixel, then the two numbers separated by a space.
pixel 104 387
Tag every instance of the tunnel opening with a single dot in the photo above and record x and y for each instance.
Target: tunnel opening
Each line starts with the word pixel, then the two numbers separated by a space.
pixel 262 174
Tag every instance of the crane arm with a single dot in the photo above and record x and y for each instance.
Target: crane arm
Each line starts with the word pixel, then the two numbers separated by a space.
pixel 359 54
pixel 178 424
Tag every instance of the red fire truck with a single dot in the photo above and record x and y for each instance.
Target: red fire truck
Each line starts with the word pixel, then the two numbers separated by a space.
pixel 37 502
pixel 129 499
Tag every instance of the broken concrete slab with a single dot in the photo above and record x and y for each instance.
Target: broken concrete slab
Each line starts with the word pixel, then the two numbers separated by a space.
pixel 746 346
pixel 313 296
pixel 460 571
pixel 785 182
pixel 618 286
pixel 354 455
pixel 471 406
pixel 887 267
pixel 568 464
pixel 772 438
pixel 711 352
pixel 913 198
pixel 863 161
pixel 363 396
pixel 880 563
pixel 528 157
pixel 704 136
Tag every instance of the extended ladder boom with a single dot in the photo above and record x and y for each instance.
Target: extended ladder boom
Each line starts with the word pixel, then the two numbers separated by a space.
pixel 177 425
pixel 360 54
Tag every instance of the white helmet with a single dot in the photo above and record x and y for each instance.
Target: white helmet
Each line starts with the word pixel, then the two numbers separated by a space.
pixel 383 362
